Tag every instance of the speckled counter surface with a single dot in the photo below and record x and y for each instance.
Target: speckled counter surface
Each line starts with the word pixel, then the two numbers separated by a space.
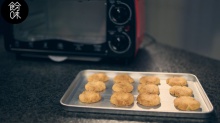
pixel 30 89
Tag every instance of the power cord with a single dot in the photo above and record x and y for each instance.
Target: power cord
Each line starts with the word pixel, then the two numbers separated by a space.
pixel 148 40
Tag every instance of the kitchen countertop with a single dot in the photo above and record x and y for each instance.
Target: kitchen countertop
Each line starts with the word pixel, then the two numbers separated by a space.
pixel 30 89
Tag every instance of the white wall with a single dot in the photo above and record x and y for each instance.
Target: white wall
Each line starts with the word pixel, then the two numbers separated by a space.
pixel 193 25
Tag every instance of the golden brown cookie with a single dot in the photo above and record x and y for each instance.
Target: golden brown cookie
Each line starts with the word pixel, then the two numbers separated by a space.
pixel 89 97
pixel 122 87
pixel 180 91
pixel 186 103
pixel 148 89
pixel 98 77
pixel 148 99
pixel 149 80
pixel 95 86
pixel 178 81
pixel 122 99
pixel 121 78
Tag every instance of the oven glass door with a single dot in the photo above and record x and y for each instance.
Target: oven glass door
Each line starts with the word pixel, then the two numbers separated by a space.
pixel 77 21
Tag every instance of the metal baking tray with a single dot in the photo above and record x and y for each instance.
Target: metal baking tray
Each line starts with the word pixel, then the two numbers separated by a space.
pixel 71 102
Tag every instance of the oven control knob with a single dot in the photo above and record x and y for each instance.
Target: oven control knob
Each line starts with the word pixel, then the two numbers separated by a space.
pixel 120 13
pixel 120 43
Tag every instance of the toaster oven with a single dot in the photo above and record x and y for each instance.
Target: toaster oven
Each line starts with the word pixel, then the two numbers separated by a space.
pixel 80 29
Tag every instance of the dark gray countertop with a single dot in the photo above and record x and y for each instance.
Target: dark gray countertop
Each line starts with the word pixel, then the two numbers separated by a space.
pixel 30 89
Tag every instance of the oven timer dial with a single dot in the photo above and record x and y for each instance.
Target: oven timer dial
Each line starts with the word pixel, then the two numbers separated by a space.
pixel 120 43
pixel 120 13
